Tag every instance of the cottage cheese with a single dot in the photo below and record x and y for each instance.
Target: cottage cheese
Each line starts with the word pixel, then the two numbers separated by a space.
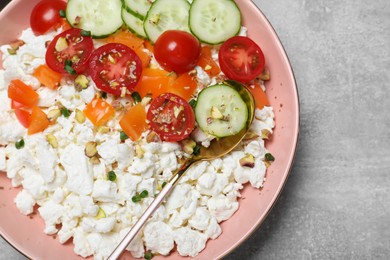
pixel 97 213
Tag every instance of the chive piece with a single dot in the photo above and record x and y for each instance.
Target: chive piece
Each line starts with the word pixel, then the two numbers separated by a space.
pixel 85 33
pixel 19 144
pixel 144 194
pixel 136 97
pixel 136 198
pixel 192 103
pixel 123 136
pixel 68 67
pixel 65 112
pixel 111 175
pixel 269 157
pixel 62 13
pixel 148 255
pixel 104 95
pixel 163 184
pixel 196 149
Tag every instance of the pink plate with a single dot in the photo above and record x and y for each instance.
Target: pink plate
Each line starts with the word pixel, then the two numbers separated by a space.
pixel 26 233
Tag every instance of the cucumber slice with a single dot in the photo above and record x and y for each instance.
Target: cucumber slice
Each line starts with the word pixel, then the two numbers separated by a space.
pixel 166 15
pixel 221 111
pixel 101 17
pixel 215 21
pixel 134 24
pixel 138 8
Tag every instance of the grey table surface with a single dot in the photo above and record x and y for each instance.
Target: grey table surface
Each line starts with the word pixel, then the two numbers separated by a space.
pixel 336 203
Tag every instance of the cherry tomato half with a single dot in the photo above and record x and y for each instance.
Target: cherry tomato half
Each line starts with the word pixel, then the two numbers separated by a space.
pixel 69 46
pixel 171 117
pixel 45 15
pixel 241 59
pixel 115 66
pixel 177 51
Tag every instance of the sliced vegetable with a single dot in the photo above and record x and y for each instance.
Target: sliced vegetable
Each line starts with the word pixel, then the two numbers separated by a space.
pixel 134 23
pixel 220 110
pixel 135 43
pixel 166 15
pixel 22 93
pixel 154 82
pixel 184 86
pixel 45 15
pixel 177 51
pixel 69 51
pixel 99 112
pixel 207 63
pixel 214 22
pixel 241 59
pixel 47 76
pixel 138 8
pixel 100 17
pixel 171 117
pixel 114 67
pixel 23 117
pixel 127 38
pixel 261 98
pixel 133 123
pixel 38 121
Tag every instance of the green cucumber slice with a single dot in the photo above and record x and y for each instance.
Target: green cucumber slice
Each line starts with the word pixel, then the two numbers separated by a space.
pixel 135 24
pixel 138 8
pixel 101 17
pixel 221 111
pixel 166 15
pixel 215 21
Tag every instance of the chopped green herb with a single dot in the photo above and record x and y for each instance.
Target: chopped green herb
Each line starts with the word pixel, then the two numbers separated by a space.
pixel 62 13
pixel 136 198
pixel 192 103
pixel 104 95
pixel 163 184
pixel 269 157
pixel 68 67
pixel 123 136
pixel 19 144
pixel 196 149
pixel 111 175
pixel 136 97
pixel 85 33
pixel 144 194
pixel 148 255
pixel 65 112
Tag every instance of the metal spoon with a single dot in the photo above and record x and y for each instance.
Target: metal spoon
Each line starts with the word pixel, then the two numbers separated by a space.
pixel 217 148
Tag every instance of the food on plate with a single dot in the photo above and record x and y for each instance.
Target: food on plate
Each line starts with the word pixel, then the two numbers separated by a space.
pixel 177 51
pixel 241 59
pixel 115 68
pixel 69 52
pixel 46 15
pixel 92 129
pixel 100 17
pixel 215 21
pixel 220 110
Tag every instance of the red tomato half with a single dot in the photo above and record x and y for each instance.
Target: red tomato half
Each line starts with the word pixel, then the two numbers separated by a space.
pixel 23 117
pixel 171 117
pixel 177 51
pixel 115 66
pixel 45 15
pixel 241 59
pixel 69 45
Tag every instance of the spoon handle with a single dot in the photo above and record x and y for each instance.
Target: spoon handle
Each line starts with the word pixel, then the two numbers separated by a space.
pixel 148 212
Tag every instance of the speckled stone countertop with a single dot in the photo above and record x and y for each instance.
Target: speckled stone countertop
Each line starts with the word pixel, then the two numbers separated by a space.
pixel 336 203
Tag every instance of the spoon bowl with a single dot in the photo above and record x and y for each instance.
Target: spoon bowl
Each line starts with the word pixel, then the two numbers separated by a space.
pixel 218 148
